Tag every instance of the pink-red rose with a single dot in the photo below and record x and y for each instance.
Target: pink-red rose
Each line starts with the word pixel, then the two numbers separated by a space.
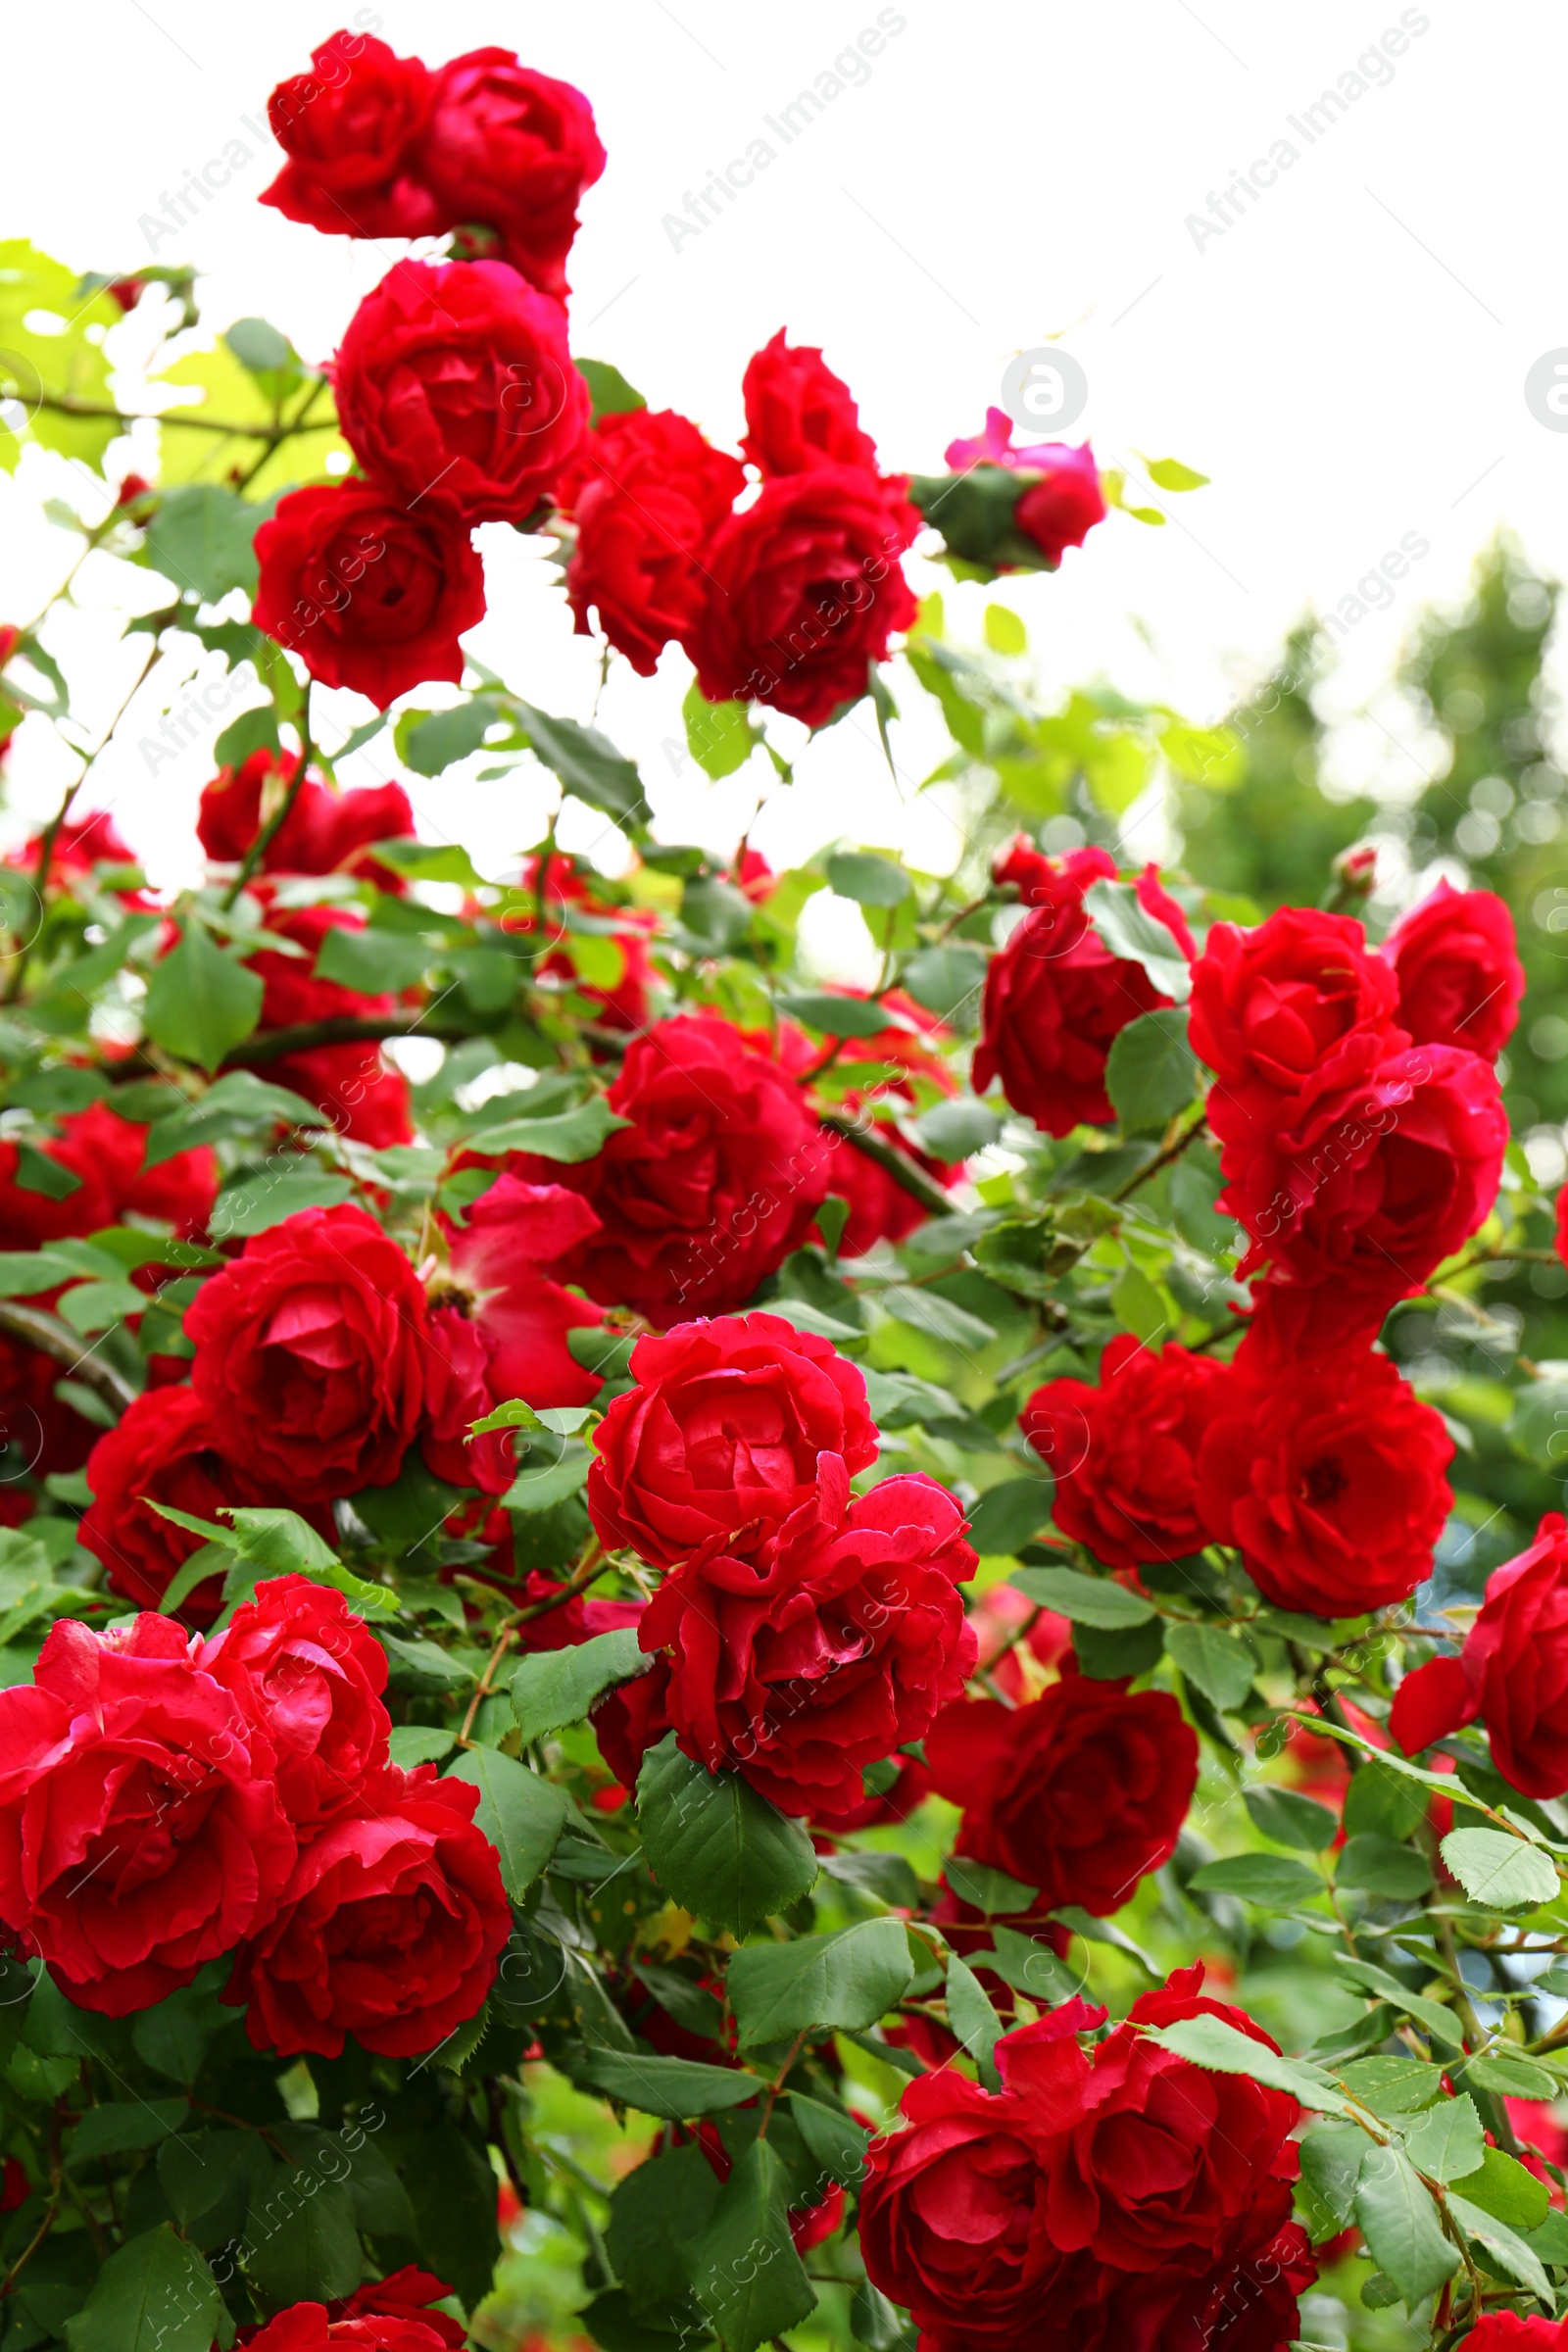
pixel 308 1673
pixel 512 150
pixel 349 130
pixel 1458 970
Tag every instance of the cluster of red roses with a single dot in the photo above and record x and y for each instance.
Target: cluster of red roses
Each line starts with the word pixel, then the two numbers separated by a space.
pixel 458 395
pixel 806 1633
pixel 1361 1135
pixel 1113 2199
pixel 167 1800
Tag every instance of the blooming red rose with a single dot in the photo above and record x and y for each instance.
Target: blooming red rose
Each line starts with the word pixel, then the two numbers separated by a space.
pixel 499 1327
pixel 349 130
pixel 454 382
pixel 724 1438
pixel 1080 1794
pixel 1056 996
pixel 367 595
pixel 389 1929
pixel 353 1089
pixel 512 150
pixel 711 1185
pixel 163 1449
pixel 1061 507
pixel 1124 1453
pixel 81 843
pixel 309 2328
pixel 104 1151
pixel 1297 1008
pixel 1512 1672
pixel 1328 1472
pixel 804 592
pixel 309 1674
pixel 140 1830
pixel 647 493
pixel 309 1350
pixel 1368 1189
pixel 1507 2331
pixel 324 832
pixel 798 413
pixel 405 2295
pixel 1459 975
pixel 800 1668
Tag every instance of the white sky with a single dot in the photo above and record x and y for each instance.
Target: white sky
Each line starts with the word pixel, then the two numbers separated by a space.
pixel 1347 359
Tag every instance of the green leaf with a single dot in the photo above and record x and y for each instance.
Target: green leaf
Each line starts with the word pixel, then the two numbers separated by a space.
pixel 972 2019
pixel 156 2294
pixel 1511 2074
pixel 886 1877
pixel 1512 2256
pixel 1086 1599
pixel 953 1131
pixel 1272 1880
pixel 849 1979
pixel 1139 1306
pixel 745 2269
pixel 1439 2023
pixel 671 2087
pixel 721 736
pixel 871 880
pixel 1331 2166
pixel 123 2125
pixel 1006 1516
pixel 200 538
pixel 1114 1657
pixel 653 2213
pixel 453 2191
pixel 233 1104
pixel 947 979
pixel 714 1845
pixel 835 1016
pixel 1223 2050
pixel 1399 2222
pixel 835 2141
pixel 1500 2186
pixel 556 1686
pixel 253 731
pixel 1291 1819
pixel 570 1136
pixel 1169 473
pixel 1222 1665
pixel 1381 1867
pixel 309 2246
pixel 201 1001
pixel 521 1815
pixel 1445 2142
pixel 586 764
pixel 1393 2087
pixel 411 1743
pixel 1504 1873
pixel 613 395
pixel 372 960
pixel 541 1489
pixel 1152 1073
pixel 286 1185
pixel 1138 937
pixel 431 741
pixel 986 1890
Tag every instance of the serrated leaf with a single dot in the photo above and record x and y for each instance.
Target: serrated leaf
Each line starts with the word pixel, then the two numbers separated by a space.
pixel 586 762
pixel 1445 2141
pixel 1151 1072
pixel 871 880
pixel 1209 2042
pixel 1291 1819
pixel 1129 931
pixel 1504 1873
pixel 1271 1880
pixel 946 980
pixel 744 2268
pixel 835 1016
pixel 846 1979
pixel 1500 2186
pixel 201 1001
pixel 200 539
pixel 521 1815
pixel 1331 2166
pixel 1381 1866
pixel 985 1888
pixel 1086 1599
pixel 557 1687
pixel 972 2019
pixel 1399 2222
pixel 1222 1665
pixel 714 1845
pixel 156 2294
pixel 569 1136
pixel 671 2087
pixel 1512 2256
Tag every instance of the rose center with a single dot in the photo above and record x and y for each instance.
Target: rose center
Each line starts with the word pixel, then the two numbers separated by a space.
pixel 1323 1480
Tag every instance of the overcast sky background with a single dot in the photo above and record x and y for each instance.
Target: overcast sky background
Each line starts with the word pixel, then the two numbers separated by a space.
pixel 1347 359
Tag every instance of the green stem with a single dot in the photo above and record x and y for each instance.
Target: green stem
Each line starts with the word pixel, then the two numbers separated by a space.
pixel 281 814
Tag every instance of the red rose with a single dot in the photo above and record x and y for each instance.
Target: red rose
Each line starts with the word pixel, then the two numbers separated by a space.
pixel 81 843
pixel 631 1719
pixel 367 594
pixel 953 2220
pixel 1506 2331
pixel 309 1674
pixel 1056 996
pixel 1328 1474
pixel 348 130
pixel 499 1327
pixel 910 1068
pixel 1124 1453
pixel 104 1151
pixel 405 2295
pixel 308 1355
pixel 723 1438
pixel 454 381
pixel 647 493
pixel 325 832
pixel 38 1433
pixel 1080 1794
pixel 1458 970
pixel 389 1929
pixel 1512 1672
pixel 307 2327
pixel 804 593
pixel 798 413
pixel 800 1668
pixel 1298 1006
pixel 714 1183
pixel 140 1830
pixel 1061 507
pixel 355 1090
pixel 512 150
pixel 1368 1189
pixel 162 1450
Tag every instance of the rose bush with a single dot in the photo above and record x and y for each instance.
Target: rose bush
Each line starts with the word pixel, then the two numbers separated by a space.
pixel 704 1642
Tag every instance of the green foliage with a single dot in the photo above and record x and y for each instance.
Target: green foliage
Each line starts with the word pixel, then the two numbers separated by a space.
pixel 716 1845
